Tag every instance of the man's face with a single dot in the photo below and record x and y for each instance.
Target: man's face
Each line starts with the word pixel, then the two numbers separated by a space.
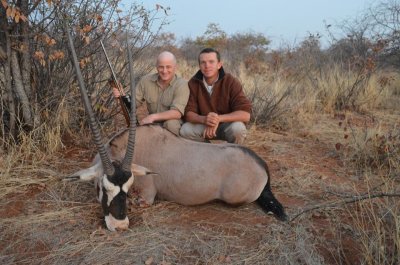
pixel 209 65
pixel 166 69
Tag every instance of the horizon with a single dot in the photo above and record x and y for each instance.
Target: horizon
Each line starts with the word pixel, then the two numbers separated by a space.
pixel 283 23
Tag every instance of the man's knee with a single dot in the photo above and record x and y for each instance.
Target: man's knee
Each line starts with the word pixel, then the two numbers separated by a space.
pixel 173 126
pixel 236 132
pixel 192 131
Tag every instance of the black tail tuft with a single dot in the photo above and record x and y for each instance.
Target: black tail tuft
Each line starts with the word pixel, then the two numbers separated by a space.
pixel 269 203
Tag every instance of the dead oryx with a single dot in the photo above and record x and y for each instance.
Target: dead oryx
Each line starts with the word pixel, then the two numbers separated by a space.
pixel 188 172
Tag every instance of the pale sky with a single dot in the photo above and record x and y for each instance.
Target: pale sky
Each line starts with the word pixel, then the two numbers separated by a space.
pixel 279 20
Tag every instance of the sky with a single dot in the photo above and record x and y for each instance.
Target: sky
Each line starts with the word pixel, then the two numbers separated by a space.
pixel 282 21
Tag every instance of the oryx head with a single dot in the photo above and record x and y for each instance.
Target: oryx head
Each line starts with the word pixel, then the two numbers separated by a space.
pixel 112 191
pixel 113 186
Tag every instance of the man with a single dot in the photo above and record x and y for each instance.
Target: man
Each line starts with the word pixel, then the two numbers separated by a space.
pixel 164 93
pixel 217 107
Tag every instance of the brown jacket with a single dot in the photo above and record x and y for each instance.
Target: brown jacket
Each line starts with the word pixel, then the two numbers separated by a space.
pixel 227 95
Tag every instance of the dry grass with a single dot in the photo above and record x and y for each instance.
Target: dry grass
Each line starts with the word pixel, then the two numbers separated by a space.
pixel 56 222
pixel 375 223
pixel 371 143
pixel 47 221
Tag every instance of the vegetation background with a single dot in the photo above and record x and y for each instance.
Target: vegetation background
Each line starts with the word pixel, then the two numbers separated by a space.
pixel 326 120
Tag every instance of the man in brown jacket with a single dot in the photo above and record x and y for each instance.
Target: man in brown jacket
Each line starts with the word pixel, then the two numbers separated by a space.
pixel 217 107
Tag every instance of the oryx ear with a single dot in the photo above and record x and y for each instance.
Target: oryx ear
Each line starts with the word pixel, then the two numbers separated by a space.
pixel 139 171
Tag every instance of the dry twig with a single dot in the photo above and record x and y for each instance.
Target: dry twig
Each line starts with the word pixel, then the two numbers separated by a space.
pixel 346 201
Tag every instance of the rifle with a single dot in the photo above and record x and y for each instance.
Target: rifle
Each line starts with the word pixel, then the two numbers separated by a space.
pixel 119 87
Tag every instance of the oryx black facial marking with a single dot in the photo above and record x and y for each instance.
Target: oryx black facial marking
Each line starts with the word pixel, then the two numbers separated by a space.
pixel 114 192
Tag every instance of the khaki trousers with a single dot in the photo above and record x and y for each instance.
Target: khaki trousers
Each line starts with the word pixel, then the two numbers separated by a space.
pixel 173 126
pixel 232 132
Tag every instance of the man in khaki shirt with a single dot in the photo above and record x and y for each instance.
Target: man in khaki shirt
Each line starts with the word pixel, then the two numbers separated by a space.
pixel 163 93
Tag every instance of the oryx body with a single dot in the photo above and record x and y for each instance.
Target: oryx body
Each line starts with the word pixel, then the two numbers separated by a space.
pixel 193 173
pixel 190 172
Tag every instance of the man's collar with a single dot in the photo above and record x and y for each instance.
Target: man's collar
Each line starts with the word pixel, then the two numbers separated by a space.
pixel 205 82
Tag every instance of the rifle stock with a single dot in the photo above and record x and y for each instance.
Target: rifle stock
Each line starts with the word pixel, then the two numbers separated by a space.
pixel 123 108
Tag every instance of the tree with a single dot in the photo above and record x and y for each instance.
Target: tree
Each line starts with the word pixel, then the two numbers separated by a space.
pixel 249 48
pixel 15 62
pixel 213 37
pixel 35 70
pixel 384 20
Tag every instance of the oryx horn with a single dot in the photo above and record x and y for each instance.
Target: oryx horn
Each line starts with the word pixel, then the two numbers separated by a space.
pixel 126 164
pixel 105 159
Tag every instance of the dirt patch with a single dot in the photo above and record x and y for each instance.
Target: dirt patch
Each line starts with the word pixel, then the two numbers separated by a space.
pixel 62 222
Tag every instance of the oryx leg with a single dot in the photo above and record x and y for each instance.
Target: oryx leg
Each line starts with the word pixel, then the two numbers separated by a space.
pixel 146 190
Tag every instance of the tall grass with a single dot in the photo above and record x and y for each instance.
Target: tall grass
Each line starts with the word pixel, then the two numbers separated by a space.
pixel 336 89
pixel 376 226
pixel 368 144
pixel 30 161
pixel 373 147
pixel 277 96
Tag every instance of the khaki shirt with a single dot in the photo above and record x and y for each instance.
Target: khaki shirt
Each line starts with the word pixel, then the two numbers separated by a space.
pixel 175 96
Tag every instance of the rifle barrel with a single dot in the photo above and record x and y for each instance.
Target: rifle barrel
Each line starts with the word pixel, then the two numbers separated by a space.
pixel 114 76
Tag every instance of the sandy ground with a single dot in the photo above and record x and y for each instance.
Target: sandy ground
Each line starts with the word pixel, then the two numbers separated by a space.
pixel 56 222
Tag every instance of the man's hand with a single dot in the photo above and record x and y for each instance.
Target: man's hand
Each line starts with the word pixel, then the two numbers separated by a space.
pixel 148 119
pixel 210 132
pixel 212 119
pixel 116 91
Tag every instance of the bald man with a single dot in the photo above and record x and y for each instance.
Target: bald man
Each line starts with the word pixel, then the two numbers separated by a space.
pixel 163 93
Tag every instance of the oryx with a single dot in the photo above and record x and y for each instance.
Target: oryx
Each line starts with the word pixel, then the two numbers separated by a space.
pixel 187 172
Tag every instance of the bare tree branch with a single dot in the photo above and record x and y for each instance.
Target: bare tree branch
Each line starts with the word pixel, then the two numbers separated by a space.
pixel 346 201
